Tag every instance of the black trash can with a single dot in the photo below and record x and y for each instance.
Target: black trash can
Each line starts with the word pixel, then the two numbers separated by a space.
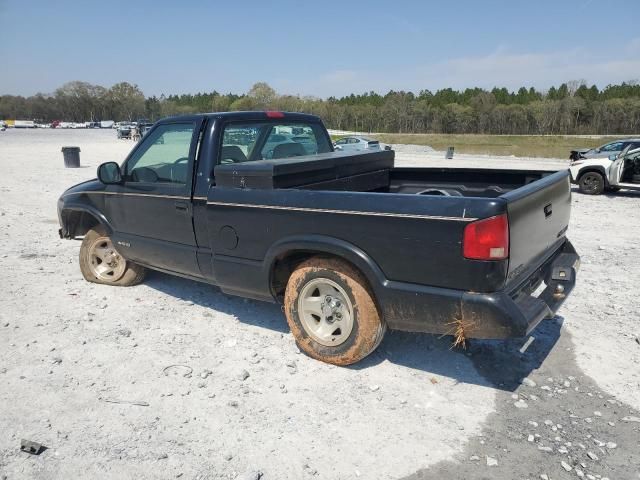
pixel 71 157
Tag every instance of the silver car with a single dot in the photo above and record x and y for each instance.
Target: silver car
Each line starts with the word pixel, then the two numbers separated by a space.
pixel 606 150
pixel 356 143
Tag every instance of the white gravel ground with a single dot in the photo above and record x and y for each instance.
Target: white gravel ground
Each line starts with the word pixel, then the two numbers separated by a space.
pixel 69 349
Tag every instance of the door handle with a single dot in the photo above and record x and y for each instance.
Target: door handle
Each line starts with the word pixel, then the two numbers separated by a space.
pixel 182 206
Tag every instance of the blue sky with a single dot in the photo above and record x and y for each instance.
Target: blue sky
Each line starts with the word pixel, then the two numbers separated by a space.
pixel 314 47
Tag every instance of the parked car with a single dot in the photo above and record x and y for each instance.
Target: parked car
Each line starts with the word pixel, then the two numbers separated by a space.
pixel 348 243
pixel 124 130
pixel 618 171
pixel 604 151
pixel 356 143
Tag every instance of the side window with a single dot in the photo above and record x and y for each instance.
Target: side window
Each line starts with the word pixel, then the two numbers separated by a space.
pixel 612 147
pixel 342 141
pixel 163 156
pixel 266 140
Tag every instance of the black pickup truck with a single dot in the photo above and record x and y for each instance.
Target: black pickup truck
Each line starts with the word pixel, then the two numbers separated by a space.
pixel 259 204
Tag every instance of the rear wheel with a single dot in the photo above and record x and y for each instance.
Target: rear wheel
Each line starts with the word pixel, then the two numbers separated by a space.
pixel 100 262
pixel 332 312
pixel 591 183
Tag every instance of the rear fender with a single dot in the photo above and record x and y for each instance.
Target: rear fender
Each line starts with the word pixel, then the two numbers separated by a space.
pixel 319 244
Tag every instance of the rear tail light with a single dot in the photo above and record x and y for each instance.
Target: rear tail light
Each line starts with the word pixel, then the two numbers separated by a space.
pixel 487 239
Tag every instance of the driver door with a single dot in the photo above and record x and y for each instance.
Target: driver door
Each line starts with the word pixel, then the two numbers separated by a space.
pixel 151 212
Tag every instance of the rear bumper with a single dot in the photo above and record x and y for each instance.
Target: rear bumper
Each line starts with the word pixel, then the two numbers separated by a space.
pixel 510 313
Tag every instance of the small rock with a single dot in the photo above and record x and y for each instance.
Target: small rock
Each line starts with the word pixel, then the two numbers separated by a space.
pixel 232 403
pixel 548 422
pixel 592 456
pixel 56 360
pixel 163 456
pixel 544 477
pixel 251 475
pixel 491 462
pixel 611 445
pixel 228 456
pixel 530 438
pixel 597 413
pixel 243 375
pixel 520 404
pixel 580 473
pixel 124 332
pixel 545 449
pixel 374 388
pixel 474 458
pixel 528 382
pixel 205 374
pixel 532 423
pixel 566 466
pixel 631 419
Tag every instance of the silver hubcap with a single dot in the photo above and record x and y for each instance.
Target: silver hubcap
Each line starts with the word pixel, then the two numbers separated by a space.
pixel 325 312
pixel 106 263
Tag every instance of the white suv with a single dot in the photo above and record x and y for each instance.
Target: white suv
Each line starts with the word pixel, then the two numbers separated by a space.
pixel 596 175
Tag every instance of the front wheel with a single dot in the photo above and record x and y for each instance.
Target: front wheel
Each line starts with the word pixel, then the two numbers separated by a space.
pixel 591 183
pixel 100 262
pixel 332 312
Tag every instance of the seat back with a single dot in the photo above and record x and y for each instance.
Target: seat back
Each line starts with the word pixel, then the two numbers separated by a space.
pixel 286 150
pixel 232 153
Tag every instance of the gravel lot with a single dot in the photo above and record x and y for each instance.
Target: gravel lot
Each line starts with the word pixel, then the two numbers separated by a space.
pixel 173 379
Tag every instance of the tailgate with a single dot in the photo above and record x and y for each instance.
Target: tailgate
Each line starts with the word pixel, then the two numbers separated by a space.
pixel 538 220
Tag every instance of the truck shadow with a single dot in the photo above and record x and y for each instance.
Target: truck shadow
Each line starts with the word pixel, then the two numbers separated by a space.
pixel 498 363
pixel 251 312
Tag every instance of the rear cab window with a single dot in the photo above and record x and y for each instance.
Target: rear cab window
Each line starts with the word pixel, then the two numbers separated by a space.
pixel 265 140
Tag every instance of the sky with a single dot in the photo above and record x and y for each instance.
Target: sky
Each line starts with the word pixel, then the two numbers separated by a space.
pixel 316 47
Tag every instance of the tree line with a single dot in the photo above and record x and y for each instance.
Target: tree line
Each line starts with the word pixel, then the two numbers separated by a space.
pixel 571 108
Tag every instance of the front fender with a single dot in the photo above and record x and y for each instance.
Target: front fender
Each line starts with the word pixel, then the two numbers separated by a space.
pixel 70 215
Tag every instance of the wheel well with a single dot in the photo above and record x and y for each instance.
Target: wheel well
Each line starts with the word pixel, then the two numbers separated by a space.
pixel 581 173
pixel 78 222
pixel 286 263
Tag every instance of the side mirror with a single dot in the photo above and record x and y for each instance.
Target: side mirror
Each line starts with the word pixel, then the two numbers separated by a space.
pixel 613 157
pixel 109 173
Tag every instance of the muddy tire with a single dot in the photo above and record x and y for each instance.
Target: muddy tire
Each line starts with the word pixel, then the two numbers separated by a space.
pixel 591 183
pixel 100 262
pixel 332 312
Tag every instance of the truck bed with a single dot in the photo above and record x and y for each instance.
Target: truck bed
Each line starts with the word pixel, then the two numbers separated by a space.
pixel 429 206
